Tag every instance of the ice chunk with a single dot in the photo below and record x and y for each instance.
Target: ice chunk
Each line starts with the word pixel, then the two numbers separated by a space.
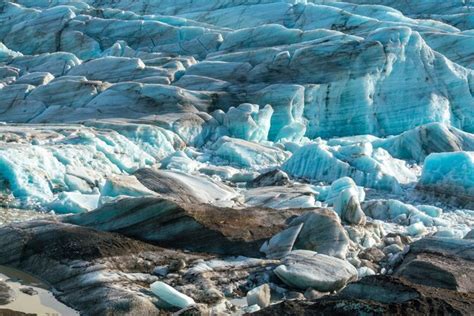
pixel 449 173
pixel 170 295
pixel 397 211
pixel 259 295
pixel 282 197
pixel 121 185
pixel 248 122
pixel 282 243
pixel 248 154
pixel 416 229
pixel 345 196
pixel 418 143
pixel 430 210
pixel 340 185
pixel 187 187
pixel 179 161
pixel 347 205
pixel 74 202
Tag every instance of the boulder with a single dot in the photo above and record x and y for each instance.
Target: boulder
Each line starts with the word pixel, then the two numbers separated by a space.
pixel 6 294
pixel 304 269
pixel 259 296
pixel 275 177
pixel 322 232
pixel 441 263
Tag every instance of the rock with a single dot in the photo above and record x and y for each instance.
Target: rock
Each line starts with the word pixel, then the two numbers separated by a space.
pixel 275 177
pixel 161 271
pixel 441 263
pixel 6 294
pixel 282 197
pixel 170 295
pixel 393 248
pixel 185 187
pixel 372 254
pixel 304 269
pixel 9 312
pixel 29 290
pixel 380 295
pixel 196 309
pixel 282 243
pixel 196 227
pixel 177 265
pixel 322 232
pixel 311 294
pixel 259 296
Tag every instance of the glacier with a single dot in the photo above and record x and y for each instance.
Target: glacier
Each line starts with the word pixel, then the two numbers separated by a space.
pixel 321 137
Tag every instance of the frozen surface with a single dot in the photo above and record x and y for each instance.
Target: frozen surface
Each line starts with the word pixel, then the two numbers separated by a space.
pixel 355 116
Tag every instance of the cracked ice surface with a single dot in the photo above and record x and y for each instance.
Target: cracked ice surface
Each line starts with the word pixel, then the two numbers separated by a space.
pixel 218 94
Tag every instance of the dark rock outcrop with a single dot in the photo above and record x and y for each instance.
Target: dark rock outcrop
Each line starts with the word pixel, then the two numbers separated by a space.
pixel 272 178
pixel 380 295
pixel 446 263
pixel 196 227
pixel 96 273
pixel 6 294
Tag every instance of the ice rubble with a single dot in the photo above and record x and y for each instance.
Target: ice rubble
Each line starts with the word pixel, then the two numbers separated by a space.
pixel 74 159
pixel 367 166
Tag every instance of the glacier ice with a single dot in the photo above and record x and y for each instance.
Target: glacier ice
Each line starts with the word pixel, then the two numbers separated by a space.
pixel 72 159
pixel 367 166
pixel 248 154
pixel 248 122
pixel 356 117
pixel 449 173
pixel 345 196
pixel 225 91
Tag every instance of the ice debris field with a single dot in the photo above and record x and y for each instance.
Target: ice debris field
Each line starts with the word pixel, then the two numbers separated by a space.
pixel 363 107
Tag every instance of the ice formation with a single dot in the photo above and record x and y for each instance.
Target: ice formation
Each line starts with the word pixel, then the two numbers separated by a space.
pixel 355 116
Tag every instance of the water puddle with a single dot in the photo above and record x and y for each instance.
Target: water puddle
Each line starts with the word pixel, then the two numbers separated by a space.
pixel 42 304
